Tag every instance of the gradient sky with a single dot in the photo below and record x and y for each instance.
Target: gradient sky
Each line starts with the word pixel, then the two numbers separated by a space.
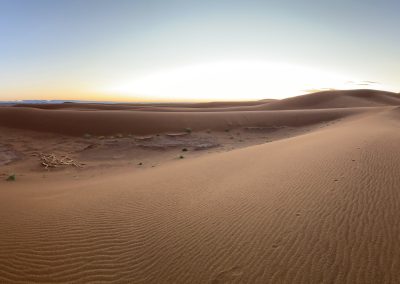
pixel 198 50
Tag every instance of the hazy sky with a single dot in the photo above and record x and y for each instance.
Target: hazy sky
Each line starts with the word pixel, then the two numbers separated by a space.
pixel 161 49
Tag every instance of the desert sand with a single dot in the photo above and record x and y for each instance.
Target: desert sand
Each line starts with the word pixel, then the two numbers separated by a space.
pixel 300 190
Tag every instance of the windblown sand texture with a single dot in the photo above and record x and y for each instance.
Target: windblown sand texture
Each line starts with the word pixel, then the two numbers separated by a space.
pixel 320 205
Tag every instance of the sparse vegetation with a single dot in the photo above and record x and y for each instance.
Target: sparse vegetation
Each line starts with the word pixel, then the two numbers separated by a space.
pixel 188 130
pixel 184 150
pixel 140 164
pixel 227 130
pixel 11 178
pixel 181 157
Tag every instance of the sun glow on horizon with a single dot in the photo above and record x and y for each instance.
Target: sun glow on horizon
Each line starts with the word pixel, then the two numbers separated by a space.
pixel 230 81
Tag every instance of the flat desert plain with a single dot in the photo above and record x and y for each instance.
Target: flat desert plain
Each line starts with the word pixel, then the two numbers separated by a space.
pixel 300 190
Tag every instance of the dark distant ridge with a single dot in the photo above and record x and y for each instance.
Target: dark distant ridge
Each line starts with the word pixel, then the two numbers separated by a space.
pixel 33 102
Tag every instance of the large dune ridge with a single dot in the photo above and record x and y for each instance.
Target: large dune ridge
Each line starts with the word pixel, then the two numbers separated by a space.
pixel 337 99
pixel 103 119
pixel 318 207
pixel 73 122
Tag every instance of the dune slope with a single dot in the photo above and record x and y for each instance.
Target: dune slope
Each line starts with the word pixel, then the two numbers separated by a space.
pixel 317 208
pixel 336 99
pixel 102 122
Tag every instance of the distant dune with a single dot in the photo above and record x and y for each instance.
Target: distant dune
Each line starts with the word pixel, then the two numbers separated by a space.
pixel 319 206
pixel 207 106
pixel 337 99
pixel 103 119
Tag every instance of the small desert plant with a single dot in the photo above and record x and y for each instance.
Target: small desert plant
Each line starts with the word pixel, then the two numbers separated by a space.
pixel 188 130
pixel 227 130
pixel 140 164
pixel 181 157
pixel 11 178
pixel 184 150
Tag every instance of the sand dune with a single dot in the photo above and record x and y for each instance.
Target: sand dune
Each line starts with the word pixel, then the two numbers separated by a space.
pixel 207 106
pixel 321 207
pixel 337 99
pixel 74 122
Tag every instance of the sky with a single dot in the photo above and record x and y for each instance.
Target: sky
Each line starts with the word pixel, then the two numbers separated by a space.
pixel 170 50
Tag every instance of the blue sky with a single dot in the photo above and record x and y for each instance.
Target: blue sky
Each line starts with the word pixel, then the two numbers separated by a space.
pixel 83 49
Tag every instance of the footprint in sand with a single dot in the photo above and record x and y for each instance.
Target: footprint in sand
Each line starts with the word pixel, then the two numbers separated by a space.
pixel 277 242
pixel 274 246
pixel 227 276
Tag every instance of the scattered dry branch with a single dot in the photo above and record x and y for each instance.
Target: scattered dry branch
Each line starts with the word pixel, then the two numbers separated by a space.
pixel 52 161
